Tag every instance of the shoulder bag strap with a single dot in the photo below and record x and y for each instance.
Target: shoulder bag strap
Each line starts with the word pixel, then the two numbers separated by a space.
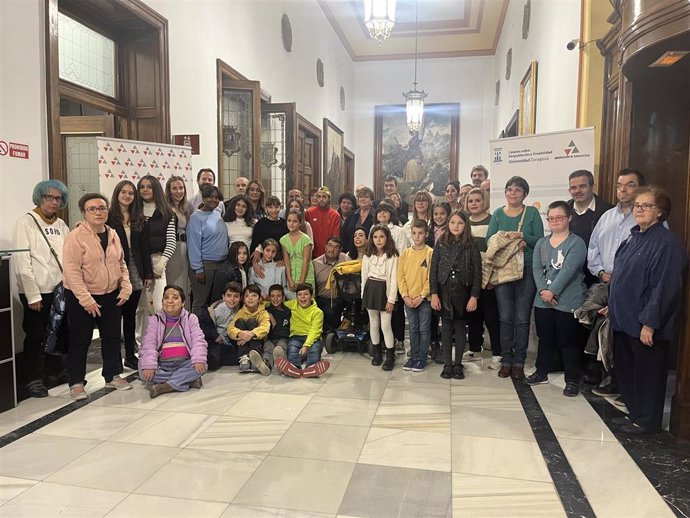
pixel 40 230
pixel 522 219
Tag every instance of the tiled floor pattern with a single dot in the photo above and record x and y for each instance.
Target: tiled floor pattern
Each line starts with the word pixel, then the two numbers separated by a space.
pixel 357 442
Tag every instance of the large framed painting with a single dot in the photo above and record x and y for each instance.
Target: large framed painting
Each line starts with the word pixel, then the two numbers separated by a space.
pixel 333 159
pixel 424 160
pixel 528 101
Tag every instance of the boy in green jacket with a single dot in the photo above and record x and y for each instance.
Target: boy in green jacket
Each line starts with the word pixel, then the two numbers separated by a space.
pixel 306 326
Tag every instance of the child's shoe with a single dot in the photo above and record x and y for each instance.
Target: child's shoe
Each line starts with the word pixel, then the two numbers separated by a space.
pixel 408 365
pixel 245 364
pixel 196 383
pixel 288 369
pixel 447 372
pixel 472 356
pixel 458 372
pixel 418 365
pixel 258 363
pixel 316 370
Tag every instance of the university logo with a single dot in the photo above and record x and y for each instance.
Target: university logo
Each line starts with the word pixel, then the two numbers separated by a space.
pixel 571 149
pixel 497 155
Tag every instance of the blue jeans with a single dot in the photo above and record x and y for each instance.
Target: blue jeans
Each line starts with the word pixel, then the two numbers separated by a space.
pixel 295 343
pixel 420 330
pixel 515 301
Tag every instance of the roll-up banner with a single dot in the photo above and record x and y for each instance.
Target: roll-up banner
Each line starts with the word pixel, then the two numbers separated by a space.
pixel 544 160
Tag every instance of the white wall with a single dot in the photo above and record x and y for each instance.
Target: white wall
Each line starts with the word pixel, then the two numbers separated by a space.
pixel 246 35
pixel 22 108
pixel 464 80
pixel 553 24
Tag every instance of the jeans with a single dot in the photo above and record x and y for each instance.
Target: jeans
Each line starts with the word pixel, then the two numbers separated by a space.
pixel 295 344
pixel 420 330
pixel 176 373
pixel 515 301
pixel 332 312
pixel 558 330
pixel 81 329
pixel 486 313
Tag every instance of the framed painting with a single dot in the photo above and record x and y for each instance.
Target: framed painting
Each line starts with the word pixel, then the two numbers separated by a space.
pixel 528 101
pixel 333 159
pixel 423 160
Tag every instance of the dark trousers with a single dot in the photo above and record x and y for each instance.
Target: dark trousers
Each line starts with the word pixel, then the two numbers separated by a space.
pixel 450 328
pixel 486 313
pixel 398 319
pixel 34 325
pixel 558 330
pixel 332 312
pixel 129 319
pixel 220 354
pixel 641 376
pixel 81 328
pixel 212 289
pixel 435 320
pixel 252 345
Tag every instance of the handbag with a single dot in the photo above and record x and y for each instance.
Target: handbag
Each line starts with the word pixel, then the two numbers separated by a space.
pixel 57 317
pixel 504 261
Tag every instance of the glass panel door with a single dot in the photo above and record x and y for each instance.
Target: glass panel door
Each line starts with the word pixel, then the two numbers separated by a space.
pixel 277 148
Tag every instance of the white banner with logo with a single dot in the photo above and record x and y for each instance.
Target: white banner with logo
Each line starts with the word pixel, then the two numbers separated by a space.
pixel 545 161
pixel 120 159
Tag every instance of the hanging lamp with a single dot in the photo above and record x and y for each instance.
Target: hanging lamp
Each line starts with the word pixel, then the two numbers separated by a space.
pixel 415 98
pixel 379 18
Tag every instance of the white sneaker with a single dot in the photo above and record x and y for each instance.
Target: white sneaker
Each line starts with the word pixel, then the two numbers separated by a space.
pixel 245 364
pixel 495 363
pixel 399 347
pixel 118 383
pixel 77 392
pixel 472 356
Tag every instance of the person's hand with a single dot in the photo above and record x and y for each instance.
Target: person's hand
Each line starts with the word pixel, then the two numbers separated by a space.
pixel 409 302
pixel 149 283
pixel 219 339
pixel 201 278
pixel 514 235
pixel 471 304
pixel 604 312
pixel 36 306
pixel 148 374
pixel 389 307
pixel 548 297
pixel 121 301
pixel 303 351
pixel 199 367
pixel 522 245
pixel 292 285
pixel 605 277
pixel 280 264
pixel 258 270
pixel 246 336
pixel 647 336
pixel 93 310
pixel 435 302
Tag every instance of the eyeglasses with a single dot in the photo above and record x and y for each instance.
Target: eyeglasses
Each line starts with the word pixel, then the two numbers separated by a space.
pixel 643 206
pixel 629 186
pixel 51 198
pixel 556 219
pixel 96 210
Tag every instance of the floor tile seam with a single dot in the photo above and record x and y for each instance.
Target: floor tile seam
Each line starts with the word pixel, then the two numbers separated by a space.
pixel 530 441
pixel 154 473
pixel 568 488
pixel 364 443
pixel 179 498
pixel 548 483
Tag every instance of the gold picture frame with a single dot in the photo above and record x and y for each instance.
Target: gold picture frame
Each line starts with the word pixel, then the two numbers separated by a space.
pixel 528 101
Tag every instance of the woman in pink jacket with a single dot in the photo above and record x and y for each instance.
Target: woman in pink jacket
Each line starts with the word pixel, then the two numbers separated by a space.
pixel 96 284
pixel 172 356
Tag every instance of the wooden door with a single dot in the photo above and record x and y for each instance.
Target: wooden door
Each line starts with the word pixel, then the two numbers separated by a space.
pixel 308 174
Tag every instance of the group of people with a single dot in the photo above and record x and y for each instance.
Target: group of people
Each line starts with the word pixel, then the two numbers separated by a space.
pixel 257 274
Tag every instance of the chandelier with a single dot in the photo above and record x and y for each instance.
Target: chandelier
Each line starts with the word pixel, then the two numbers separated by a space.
pixel 379 18
pixel 414 105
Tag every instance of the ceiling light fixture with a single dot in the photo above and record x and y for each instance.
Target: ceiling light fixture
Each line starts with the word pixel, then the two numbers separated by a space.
pixel 415 98
pixel 379 18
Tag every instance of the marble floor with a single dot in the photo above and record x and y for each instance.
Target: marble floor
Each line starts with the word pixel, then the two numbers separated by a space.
pixel 356 442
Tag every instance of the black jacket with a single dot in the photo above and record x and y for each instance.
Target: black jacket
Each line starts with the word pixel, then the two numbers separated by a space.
pixel 464 259
pixel 347 229
pixel 140 249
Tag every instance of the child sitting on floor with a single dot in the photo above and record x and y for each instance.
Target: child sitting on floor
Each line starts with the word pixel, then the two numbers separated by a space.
pixel 306 325
pixel 249 328
pixel 280 315
pixel 172 356
pixel 214 322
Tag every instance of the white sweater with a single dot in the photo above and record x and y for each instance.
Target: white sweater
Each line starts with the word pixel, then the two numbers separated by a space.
pixel 238 230
pixel 398 234
pixel 37 271
pixel 383 268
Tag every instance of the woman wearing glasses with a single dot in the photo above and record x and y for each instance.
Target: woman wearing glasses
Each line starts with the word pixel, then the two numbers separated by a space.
pixel 515 298
pixel 557 266
pixel 96 286
pixel 644 299
pixel 38 272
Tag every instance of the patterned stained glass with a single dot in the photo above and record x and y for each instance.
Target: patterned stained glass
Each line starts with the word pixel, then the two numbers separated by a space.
pixel 86 57
pixel 273 154
pixel 237 143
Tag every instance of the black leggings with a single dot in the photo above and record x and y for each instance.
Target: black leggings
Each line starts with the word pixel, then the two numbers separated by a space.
pixel 448 329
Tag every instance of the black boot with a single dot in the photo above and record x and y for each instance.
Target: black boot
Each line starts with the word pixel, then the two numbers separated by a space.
pixel 376 359
pixel 390 359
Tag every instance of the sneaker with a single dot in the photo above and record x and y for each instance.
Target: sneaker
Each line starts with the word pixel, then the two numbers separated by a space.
pixel 288 369
pixel 258 363
pixel 197 383
pixel 606 388
pixel 278 352
pixel 118 383
pixel 620 421
pixel 495 363
pixel 571 389
pixel 418 366
pixel 472 356
pixel 458 372
pixel 77 392
pixel 537 379
pixel 408 365
pixel 132 363
pixel 447 372
pixel 316 370
pixel 37 389
pixel 619 402
pixel 245 364
pixel 399 347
